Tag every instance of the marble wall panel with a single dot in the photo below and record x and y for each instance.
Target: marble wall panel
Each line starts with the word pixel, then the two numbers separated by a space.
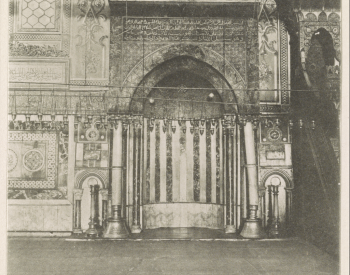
pixel 64 218
pixel 41 216
pixel 50 219
pixel 183 215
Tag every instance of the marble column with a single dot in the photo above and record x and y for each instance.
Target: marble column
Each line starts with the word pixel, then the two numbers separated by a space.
pixel 252 228
pixel 136 228
pixel 116 226
pixel 230 162
pixel 104 194
pixel 78 193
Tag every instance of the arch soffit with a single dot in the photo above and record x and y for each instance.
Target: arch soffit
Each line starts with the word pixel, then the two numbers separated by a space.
pixel 81 177
pixel 200 69
pixel 287 178
pixel 201 53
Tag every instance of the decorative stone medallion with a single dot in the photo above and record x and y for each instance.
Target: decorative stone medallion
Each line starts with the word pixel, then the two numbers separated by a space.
pixel 274 134
pixel 12 160
pixel 33 160
pixel 92 134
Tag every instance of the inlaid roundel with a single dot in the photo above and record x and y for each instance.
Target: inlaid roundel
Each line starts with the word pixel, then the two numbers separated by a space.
pixel 33 160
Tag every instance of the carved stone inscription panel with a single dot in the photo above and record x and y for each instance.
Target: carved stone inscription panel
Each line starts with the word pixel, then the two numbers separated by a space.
pixel 53 72
pixel 184 29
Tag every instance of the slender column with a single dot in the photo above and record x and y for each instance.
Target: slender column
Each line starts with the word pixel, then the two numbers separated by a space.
pixel 238 176
pixel 262 191
pixel 71 158
pixel 137 162
pixel 252 228
pixel 92 232
pixel 152 168
pixel 202 166
pixel 130 169
pixel 183 163
pixel 176 162
pixel 96 206
pixel 230 226
pixel 213 164
pixel 162 164
pixel 222 161
pixel 104 194
pixel 145 156
pixel 116 227
pixel 189 164
pixel 78 193
pixel 270 213
pixel 289 209
pixel 224 171
pixel 274 231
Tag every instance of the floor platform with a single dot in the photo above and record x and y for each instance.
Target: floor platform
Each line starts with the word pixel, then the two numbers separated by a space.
pixel 56 256
pixel 170 234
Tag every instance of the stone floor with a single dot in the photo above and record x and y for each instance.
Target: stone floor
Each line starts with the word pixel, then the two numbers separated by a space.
pixel 178 252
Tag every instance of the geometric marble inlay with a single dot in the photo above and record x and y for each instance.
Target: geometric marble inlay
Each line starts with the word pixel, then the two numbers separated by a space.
pixel 33 160
pixel 38 152
pixel 12 160
pixel 38 14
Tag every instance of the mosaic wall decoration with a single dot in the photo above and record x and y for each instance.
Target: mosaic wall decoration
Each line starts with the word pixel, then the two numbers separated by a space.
pixel 92 155
pixel 32 160
pixel 229 43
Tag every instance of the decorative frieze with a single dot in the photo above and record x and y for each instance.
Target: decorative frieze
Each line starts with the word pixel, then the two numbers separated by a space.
pixel 22 49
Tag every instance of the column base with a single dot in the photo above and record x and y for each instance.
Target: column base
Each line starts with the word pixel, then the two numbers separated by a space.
pixel 136 229
pixel 116 229
pixel 252 229
pixel 77 231
pixel 275 231
pixel 91 232
pixel 230 229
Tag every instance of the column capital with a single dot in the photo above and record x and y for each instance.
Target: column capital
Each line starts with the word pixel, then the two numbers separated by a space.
pixel 104 194
pixel 78 193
